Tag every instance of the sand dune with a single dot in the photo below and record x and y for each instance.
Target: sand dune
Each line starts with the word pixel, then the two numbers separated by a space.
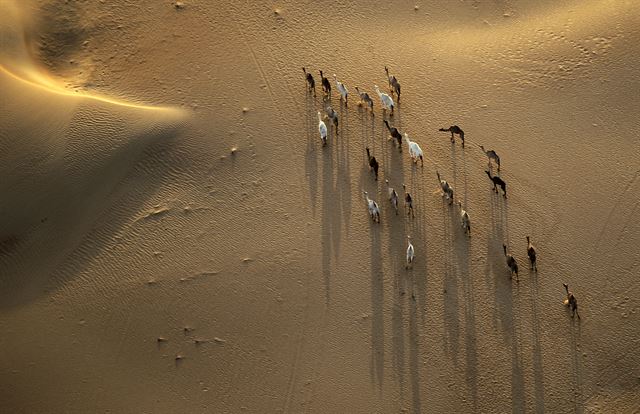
pixel 126 217
pixel 63 155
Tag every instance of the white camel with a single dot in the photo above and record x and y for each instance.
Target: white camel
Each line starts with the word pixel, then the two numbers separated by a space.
pixel 387 101
pixel 464 218
pixel 344 92
pixel 322 127
pixel 415 151
pixel 410 253
pixel 374 210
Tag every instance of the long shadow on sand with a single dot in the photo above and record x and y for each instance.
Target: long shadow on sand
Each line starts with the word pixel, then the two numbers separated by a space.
pixel 463 250
pixel 414 357
pixel 336 194
pixel 377 303
pixel 343 180
pixel 313 151
pixel 463 270
pixel 371 185
pixel 576 365
pixel 313 140
pixel 330 219
pixel 396 251
pixel 505 289
pixel 416 277
pixel 450 281
pixel 538 371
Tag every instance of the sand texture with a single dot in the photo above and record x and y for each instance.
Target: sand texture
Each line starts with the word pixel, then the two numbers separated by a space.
pixel 174 237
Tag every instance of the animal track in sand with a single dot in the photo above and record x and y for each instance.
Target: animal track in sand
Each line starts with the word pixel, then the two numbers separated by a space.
pixel 623 233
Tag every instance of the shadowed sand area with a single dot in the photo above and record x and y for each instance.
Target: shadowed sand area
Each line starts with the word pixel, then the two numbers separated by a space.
pixel 174 238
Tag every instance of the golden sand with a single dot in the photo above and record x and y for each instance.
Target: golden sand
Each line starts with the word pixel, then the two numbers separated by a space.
pixel 174 237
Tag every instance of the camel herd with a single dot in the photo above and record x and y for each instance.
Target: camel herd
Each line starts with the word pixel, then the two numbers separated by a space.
pixel 416 153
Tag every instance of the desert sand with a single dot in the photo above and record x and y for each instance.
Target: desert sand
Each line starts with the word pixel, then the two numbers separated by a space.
pixel 175 239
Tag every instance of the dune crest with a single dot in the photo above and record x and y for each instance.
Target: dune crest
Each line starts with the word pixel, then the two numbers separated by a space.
pixel 20 59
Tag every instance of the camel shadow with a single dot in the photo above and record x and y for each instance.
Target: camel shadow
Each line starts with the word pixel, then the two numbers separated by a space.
pixel 505 289
pixel 471 349
pixel 311 161
pixel 343 179
pixel 330 220
pixel 377 306
pixel 450 284
pixel 414 354
pixel 576 364
pixel 396 251
pixel 538 370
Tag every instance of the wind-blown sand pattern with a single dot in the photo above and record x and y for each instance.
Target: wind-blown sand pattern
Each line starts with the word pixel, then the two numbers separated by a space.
pixel 174 237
